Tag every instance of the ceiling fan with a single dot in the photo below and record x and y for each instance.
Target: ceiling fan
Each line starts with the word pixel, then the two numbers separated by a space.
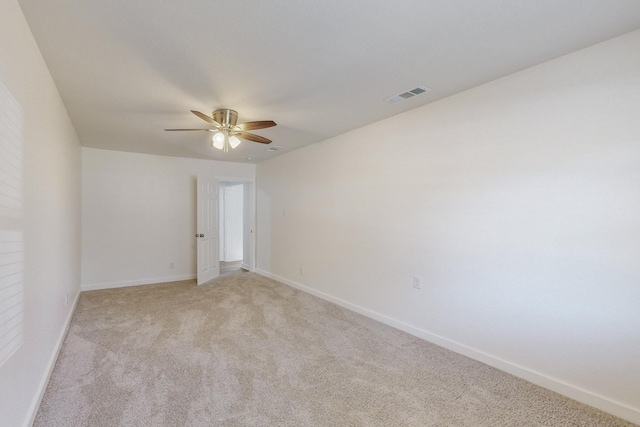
pixel 227 132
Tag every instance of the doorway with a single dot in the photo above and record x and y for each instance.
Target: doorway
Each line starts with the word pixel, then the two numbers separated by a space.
pixel 235 226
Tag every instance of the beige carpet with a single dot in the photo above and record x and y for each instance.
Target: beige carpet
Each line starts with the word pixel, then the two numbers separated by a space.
pixel 248 351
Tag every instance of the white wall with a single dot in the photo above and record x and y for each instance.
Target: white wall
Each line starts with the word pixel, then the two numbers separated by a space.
pixel 517 205
pixel 51 218
pixel 138 216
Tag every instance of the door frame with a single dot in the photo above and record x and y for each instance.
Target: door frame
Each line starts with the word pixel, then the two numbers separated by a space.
pixel 252 212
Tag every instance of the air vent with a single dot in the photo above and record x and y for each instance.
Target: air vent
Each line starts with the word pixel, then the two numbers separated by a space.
pixel 274 148
pixel 407 94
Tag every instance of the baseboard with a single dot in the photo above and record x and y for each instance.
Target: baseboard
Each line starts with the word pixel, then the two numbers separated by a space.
pixel 245 266
pixel 138 282
pixel 576 393
pixel 52 363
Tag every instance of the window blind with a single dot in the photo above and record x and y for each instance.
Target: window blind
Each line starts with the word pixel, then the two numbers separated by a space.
pixel 11 226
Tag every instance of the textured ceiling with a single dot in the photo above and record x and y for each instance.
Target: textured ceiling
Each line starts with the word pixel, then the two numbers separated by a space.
pixel 127 70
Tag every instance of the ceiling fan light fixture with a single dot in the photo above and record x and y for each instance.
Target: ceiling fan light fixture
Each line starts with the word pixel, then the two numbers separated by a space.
pixel 228 133
pixel 234 141
pixel 218 140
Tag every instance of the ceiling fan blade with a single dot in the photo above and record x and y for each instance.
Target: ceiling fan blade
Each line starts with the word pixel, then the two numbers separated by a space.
pixel 204 130
pixel 253 137
pixel 255 125
pixel 206 118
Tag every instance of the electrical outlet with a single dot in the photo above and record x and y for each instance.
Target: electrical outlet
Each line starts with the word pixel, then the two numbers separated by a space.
pixel 171 265
pixel 66 299
pixel 417 282
pixel 302 271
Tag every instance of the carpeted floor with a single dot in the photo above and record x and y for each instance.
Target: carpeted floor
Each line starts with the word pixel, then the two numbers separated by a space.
pixel 247 351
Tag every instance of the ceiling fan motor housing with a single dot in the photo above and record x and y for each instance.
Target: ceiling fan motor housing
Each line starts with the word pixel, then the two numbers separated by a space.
pixel 226 117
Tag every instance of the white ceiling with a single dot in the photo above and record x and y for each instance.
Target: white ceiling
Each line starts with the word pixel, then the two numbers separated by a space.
pixel 128 69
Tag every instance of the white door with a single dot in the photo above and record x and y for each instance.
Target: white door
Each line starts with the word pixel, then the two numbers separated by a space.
pixel 207 230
